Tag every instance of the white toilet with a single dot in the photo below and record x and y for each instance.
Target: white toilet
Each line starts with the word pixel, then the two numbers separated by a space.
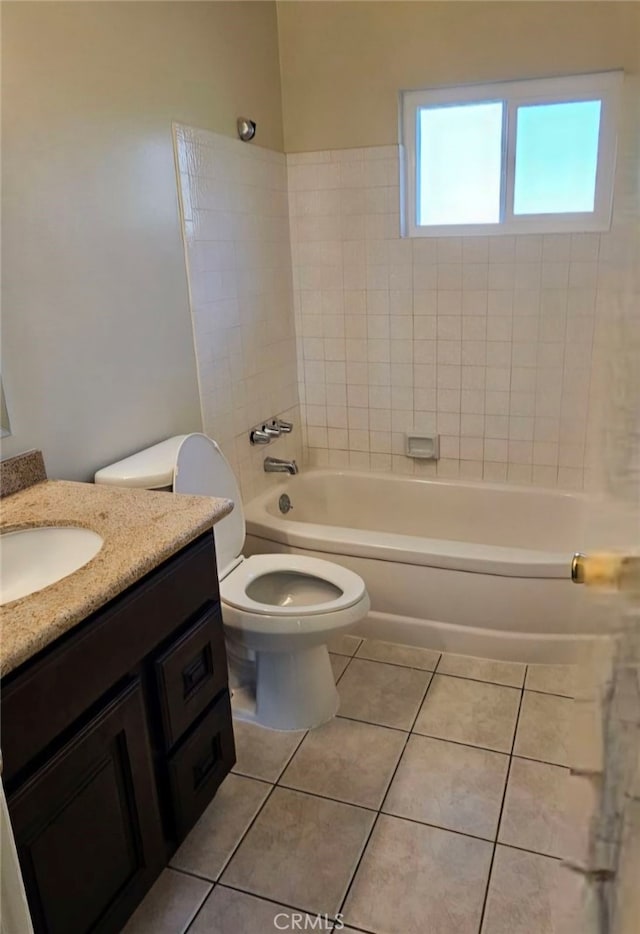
pixel 279 611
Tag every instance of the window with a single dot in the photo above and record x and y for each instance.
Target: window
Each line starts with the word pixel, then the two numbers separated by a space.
pixel 515 157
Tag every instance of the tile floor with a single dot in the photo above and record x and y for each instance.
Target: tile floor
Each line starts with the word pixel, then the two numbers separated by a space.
pixel 433 803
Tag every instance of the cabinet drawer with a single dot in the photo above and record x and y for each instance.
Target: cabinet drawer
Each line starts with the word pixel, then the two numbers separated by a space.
pixel 198 767
pixel 190 673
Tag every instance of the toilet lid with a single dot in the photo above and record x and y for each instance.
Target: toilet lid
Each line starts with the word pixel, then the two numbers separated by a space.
pixel 202 469
pixel 290 585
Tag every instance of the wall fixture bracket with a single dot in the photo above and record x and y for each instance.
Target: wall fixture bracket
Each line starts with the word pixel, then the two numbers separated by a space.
pixel 246 129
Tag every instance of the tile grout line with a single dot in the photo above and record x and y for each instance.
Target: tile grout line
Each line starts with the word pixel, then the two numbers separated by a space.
pixel 212 885
pixel 459 742
pixel 316 794
pixel 341 675
pixel 194 875
pixel 272 901
pixel 498 752
pixel 379 811
pixel 383 661
pixel 288 762
pixel 549 693
pixel 235 888
pixel 408 736
pixel 504 797
pixel 249 826
pixel 447 674
pixel 189 927
pixel 498 684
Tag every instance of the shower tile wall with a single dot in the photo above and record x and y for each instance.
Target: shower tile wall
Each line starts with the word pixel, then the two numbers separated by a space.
pixel 236 233
pixel 486 341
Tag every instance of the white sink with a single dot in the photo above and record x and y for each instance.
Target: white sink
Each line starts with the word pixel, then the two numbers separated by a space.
pixel 31 559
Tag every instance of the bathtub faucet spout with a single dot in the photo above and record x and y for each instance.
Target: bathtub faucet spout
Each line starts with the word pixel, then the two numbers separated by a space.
pixel 276 465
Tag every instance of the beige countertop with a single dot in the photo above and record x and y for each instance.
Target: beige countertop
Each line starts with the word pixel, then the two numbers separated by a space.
pixel 141 529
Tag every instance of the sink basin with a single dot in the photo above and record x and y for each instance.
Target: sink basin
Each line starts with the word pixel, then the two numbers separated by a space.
pixel 31 559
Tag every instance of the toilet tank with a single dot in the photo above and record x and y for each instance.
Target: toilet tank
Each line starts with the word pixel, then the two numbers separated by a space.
pixel 203 471
pixel 151 469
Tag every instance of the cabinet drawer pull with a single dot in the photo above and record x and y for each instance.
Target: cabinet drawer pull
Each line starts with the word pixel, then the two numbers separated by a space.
pixel 197 671
pixel 206 765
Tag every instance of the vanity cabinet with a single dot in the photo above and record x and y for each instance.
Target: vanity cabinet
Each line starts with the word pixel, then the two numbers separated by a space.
pixel 114 740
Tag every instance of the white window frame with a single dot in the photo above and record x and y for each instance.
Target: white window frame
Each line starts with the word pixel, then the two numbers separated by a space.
pixel 603 86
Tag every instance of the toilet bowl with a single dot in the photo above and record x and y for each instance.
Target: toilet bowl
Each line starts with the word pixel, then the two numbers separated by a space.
pixel 278 610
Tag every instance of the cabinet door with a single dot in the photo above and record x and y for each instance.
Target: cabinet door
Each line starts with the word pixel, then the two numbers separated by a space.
pixel 87 824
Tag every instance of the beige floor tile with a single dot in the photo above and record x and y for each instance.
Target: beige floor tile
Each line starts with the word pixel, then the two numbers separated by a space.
pixel 263 753
pixel 530 893
pixel 414 878
pixel 452 786
pixel 301 850
pixel 407 655
pixel 552 679
pixel 170 906
pixel 344 645
pixel 346 760
pixel 338 664
pixel 229 912
pixel 214 838
pixel 469 712
pixel 544 728
pixel 482 669
pixel 384 694
pixel 535 813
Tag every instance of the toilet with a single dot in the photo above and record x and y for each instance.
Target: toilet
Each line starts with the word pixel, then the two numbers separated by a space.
pixel 278 610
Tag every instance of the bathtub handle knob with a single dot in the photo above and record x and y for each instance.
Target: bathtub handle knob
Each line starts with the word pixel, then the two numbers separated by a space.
pixel 259 436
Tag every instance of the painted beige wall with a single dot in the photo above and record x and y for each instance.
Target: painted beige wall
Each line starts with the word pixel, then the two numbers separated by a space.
pixel 98 355
pixel 343 63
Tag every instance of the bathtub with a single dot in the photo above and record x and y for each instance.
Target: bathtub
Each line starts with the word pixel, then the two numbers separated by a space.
pixel 476 568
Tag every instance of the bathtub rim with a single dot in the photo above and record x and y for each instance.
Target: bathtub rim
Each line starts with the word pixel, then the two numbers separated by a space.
pixel 448 554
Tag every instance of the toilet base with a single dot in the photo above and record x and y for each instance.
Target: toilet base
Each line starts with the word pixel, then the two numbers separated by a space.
pixel 293 690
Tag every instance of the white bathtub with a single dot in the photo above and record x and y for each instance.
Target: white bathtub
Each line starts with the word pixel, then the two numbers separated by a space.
pixel 476 568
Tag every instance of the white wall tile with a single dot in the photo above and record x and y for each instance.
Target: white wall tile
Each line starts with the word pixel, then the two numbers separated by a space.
pixel 238 253
pixel 488 340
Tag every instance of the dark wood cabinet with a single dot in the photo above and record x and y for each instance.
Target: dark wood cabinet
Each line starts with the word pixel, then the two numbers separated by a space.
pixel 114 741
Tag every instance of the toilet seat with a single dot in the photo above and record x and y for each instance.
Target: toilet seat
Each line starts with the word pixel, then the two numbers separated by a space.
pixel 328 577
